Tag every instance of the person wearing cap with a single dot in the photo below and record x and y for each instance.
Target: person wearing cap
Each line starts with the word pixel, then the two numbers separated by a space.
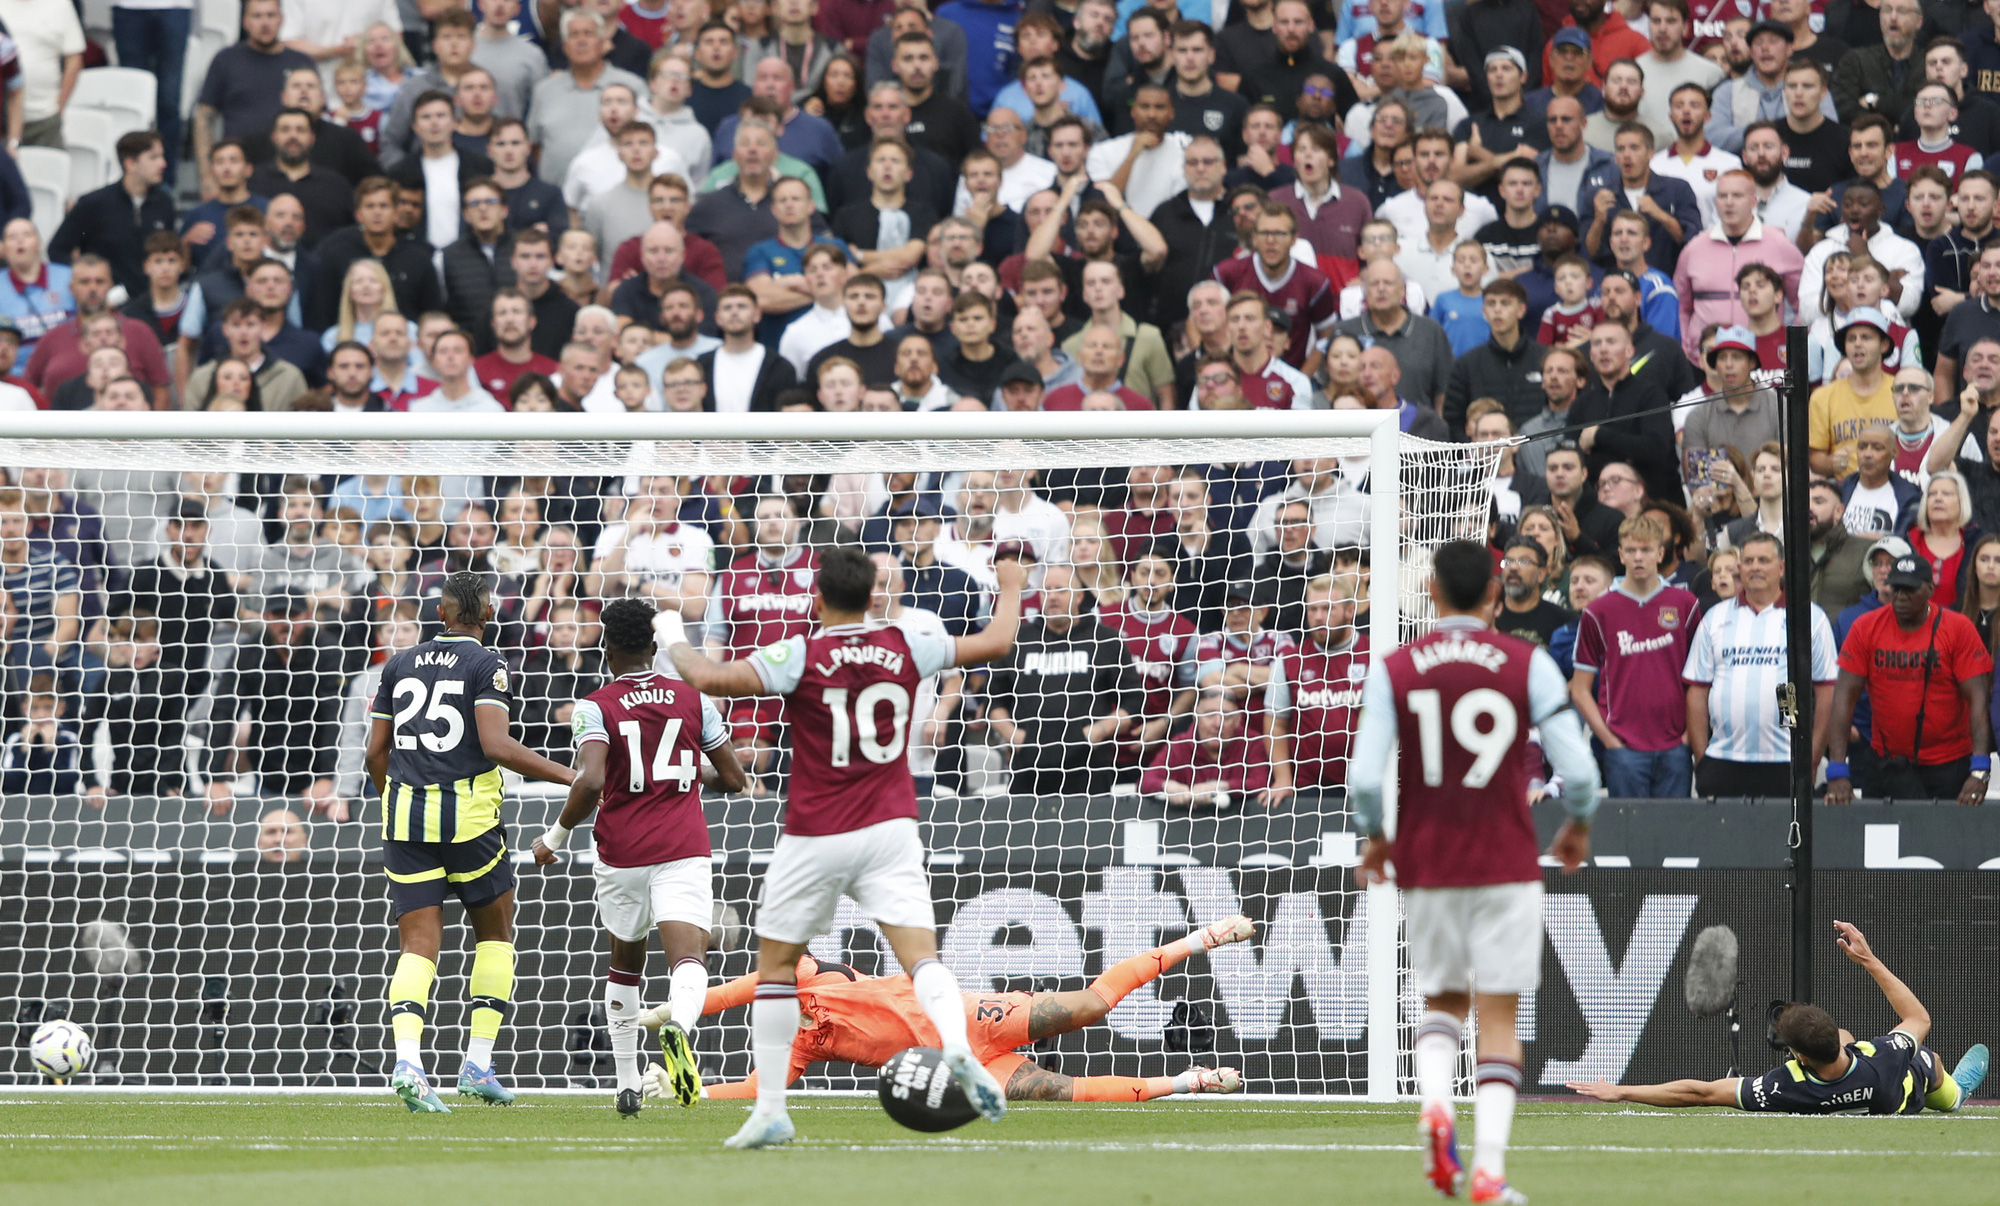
pixel 1740 745
pixel 1572 170
pixel 1555 237
pixel 1759 93
pixel 1842 409
pixel 1669 62
pixel 1602 35
pixel 1883 554
pixel 1883 78
pixel 1570 73
pixel 1745 417
pixel 1930 679
pixel 1667 202
pixel 1705 277
pixel 1495 136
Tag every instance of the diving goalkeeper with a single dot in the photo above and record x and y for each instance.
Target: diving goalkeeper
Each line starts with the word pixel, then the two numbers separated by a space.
pixel 1830 1070
pixel 852 1018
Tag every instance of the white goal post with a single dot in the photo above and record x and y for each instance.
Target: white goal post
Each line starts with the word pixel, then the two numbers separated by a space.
pixel 207 940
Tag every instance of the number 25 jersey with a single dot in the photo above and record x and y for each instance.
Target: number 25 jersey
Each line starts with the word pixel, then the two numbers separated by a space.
pixel 850 690
pixel 656 730
pixel 441 785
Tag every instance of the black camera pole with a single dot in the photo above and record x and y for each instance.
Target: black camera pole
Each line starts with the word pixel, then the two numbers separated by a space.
pixel 1796 702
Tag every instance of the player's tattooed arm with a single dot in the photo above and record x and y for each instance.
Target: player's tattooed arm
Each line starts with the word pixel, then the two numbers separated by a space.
pixel 1032 1082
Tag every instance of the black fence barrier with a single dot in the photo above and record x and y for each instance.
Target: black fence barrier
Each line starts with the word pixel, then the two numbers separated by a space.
pixel 210 964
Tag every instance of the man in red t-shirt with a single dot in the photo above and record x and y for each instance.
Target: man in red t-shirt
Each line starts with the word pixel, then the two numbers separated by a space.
pixel 1928 678
pixel 513 325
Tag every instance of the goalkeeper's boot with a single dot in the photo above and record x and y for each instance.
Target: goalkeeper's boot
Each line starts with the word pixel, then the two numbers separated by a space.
pixel 1230 929
pixel 630 1102
pixel 981 1089
pixel 1216 1080
pixel 682 1074
pixel 475 1081
pixel 763 1130
pixel 1440 1146
pixel 1488 1188
pixel 410 1084
pixel 1971 1071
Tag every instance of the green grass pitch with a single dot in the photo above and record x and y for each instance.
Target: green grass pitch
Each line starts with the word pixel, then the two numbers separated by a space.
pixel 571 1151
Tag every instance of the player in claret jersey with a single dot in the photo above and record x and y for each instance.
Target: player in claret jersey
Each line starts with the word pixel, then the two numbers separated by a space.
pixel 1458 704
pixel 851 813
pixel 637 739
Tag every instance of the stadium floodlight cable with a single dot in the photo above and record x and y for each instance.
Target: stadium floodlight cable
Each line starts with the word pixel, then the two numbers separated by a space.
pixel 290 918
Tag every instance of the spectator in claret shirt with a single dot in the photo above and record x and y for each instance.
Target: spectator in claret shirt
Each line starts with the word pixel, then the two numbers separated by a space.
pixel 1636 637
pixel 1214 763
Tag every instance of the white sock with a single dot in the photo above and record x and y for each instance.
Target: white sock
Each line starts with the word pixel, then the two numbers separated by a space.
pixel 410 1051
pixel 621 1011
pixel 687 991
pixel 1493 1114
pixel 1438 1038
pixel 774 1023
pixel 479 1052
pixel 937 992
pixel 1184 1081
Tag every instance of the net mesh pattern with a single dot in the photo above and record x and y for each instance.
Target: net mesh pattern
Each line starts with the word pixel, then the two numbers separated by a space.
pixel 190 847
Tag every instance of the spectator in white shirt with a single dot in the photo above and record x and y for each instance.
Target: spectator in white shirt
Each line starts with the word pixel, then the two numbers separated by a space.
pixel 457 391
pixel 826 270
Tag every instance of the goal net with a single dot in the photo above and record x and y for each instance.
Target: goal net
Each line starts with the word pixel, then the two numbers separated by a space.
pixel 197 607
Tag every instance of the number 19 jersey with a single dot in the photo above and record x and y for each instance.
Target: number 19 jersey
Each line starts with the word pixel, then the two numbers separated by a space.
pixel 441 785
pixel 656 730
pixel 850 690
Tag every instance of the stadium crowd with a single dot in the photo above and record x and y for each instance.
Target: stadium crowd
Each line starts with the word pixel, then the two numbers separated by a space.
pixel 1573 229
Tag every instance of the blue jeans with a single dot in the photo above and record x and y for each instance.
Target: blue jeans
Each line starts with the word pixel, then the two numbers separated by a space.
pixel 1666 774
pixel 155 40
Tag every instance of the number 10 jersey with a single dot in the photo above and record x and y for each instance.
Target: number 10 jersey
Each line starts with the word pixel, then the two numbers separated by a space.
pixel 656 729
pixel 850 690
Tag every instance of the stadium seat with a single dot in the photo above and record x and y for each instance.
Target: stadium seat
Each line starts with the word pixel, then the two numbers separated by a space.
pixel 223 16
pixel 127 93
pixel 203 45
pixel 92 136
pixel 46 171
pixel 97 17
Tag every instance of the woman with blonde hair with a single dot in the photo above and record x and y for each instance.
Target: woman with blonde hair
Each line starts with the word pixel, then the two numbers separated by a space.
pixel 1944 532
pixel 1091 555
pixel 366 296
pixel 388 61
pixel 1542 525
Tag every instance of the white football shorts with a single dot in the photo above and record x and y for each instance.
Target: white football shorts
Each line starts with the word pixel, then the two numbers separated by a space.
pixel 632 900
pixel 881 867
pixel 1482 939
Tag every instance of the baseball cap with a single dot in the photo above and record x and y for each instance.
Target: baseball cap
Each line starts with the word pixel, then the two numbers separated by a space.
pixel 918 506
pixel 1625 274
pixel 1570 35
pixel 1257 594
pixel 1021 371
pixel 1863 316
pixel 1768 26
pixel 1738 338
pixel 1909 573
pixel 1018 549
pixel 1562 215
pixel 1509 54
pixel 1897 548
pixel 9 327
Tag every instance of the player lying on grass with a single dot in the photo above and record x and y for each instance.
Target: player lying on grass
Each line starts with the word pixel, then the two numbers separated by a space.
pixel 638 739
pixel 852 1018
pixel 1830 1070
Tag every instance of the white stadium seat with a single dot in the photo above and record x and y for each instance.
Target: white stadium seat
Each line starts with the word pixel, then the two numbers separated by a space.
pixel 97 16
pixel 203 45
pixel 92 139
pixel 128 93
pixel 223 16
pixel 47 172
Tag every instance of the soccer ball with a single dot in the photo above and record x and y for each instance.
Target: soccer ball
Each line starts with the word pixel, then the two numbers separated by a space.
pixel 917 1090
pixel 60 1049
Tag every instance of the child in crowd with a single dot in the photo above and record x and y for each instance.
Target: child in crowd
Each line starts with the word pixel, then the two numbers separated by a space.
pixel 1568 323
pixel 1462 311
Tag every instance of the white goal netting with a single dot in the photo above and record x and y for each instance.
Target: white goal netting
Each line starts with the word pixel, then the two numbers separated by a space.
pixel 193 629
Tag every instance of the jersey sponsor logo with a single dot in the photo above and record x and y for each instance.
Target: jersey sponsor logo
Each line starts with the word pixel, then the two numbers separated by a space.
pixel 1056 661
pixel 1327 699
pixel 862 655
pixel 797 605
pixel 1629 645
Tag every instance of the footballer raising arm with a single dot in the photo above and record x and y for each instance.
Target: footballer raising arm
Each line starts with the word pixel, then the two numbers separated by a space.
pixel 1830 1071
pixel 850 809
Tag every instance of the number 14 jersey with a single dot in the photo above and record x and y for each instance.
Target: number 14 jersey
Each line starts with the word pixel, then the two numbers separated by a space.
pixel 656 730
pixel 850 690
